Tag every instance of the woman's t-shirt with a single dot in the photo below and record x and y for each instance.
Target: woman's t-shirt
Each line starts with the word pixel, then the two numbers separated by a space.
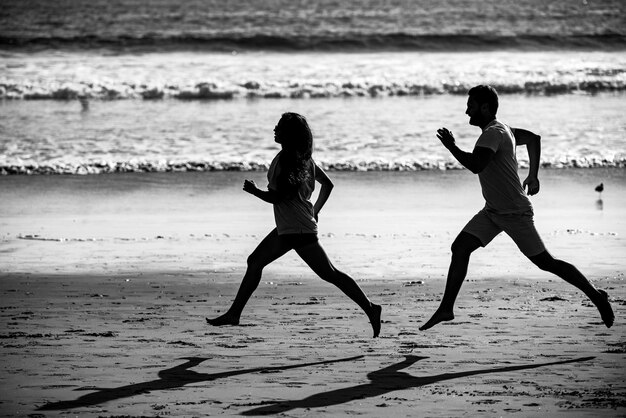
pixel 294 213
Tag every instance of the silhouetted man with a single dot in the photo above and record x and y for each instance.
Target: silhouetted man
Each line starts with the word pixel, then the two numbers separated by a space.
pixel 507 207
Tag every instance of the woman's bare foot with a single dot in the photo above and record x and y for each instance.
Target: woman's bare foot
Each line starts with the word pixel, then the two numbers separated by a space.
pixel 438 316
pixel 604 306
pixel 225 319
pixel 374 316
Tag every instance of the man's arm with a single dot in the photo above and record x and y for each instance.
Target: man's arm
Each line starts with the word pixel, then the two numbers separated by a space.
pixel 324 194
pixel 476 161
pixel 269 195
pixel 533 145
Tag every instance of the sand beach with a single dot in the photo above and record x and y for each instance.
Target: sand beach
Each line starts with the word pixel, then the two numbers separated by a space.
pixel 105 282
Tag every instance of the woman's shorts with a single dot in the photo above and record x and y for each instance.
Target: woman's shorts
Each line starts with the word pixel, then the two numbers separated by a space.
pixel 299 240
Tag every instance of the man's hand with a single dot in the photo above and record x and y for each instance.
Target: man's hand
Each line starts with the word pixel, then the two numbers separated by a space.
pixel 249 186
pixel 446 137
pixel 533 185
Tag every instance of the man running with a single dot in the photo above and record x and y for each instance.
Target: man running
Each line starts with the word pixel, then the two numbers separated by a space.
pixel 507 207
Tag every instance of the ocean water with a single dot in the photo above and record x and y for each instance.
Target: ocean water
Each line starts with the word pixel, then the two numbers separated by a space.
pixel 312 24
pixel 92 87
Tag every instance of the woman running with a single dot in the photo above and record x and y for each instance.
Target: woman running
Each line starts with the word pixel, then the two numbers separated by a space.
pixel 292 176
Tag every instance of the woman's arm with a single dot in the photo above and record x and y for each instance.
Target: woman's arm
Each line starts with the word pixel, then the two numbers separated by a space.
pixel 269 195
pixel 327 187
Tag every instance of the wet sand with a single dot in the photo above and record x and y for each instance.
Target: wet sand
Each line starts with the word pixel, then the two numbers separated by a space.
pixel 106 281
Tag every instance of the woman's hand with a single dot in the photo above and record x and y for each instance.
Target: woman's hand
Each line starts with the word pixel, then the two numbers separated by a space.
pixel 249 186
pixel 269 196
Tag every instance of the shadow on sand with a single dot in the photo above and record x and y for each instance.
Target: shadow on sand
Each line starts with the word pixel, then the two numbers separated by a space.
pixel 172 378
pixel 383 381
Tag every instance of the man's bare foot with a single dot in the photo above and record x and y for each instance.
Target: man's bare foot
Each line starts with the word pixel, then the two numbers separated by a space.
pixel 374 317
pixel 225 319
pixel 604 306
pixel 438 317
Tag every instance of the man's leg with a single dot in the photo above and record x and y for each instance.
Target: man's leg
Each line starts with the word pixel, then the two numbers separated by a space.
pixel 462 248
pixel 571 275
pixel 271 248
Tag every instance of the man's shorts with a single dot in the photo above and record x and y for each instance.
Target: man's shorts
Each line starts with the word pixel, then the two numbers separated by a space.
pixel 486 225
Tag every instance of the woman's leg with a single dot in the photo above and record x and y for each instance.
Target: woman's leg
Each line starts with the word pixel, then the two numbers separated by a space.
pixel 271 248
pixel 316 258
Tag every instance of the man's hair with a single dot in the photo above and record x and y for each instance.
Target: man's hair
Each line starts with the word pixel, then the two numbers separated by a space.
pixel 485 94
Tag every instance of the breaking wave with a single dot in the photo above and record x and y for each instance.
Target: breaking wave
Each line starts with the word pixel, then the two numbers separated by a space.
pixel 594 83
pixel 163 166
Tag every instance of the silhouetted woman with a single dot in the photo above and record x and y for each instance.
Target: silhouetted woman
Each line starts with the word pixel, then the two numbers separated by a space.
pixel 292 176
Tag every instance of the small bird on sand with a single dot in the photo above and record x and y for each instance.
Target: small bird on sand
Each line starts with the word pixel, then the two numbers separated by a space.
pixel 600 188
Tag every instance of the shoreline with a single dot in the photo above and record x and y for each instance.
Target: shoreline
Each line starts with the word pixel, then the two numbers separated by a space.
pixel 193 221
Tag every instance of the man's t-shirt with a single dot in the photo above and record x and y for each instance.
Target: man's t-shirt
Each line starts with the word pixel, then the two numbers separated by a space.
pixel 500 183
pixel 294 213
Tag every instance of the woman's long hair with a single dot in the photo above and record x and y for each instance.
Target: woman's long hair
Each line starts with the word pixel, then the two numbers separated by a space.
pixel 296 140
